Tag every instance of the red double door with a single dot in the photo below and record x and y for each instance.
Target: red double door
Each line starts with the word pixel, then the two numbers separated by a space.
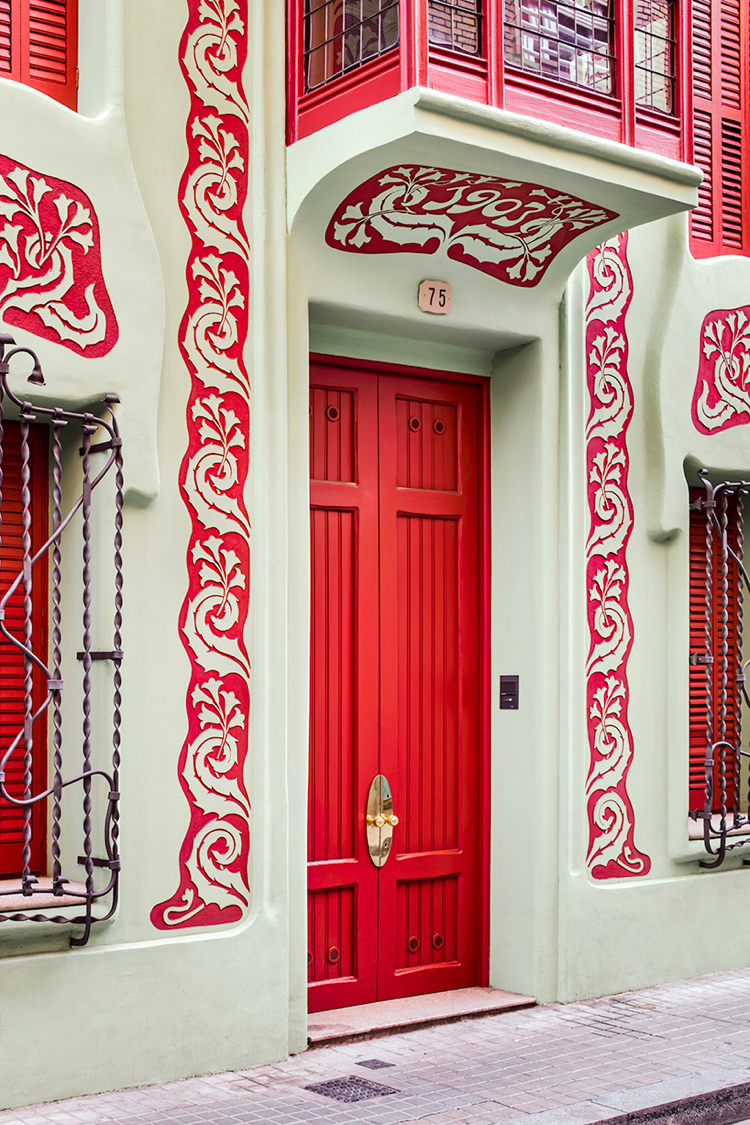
pixel 395 691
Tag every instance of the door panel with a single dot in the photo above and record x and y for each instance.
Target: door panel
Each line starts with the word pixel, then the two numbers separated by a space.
pixel 394 684
pixel 344 687
pixel 429 683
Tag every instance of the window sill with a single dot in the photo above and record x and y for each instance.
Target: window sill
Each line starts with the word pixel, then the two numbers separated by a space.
pixel 12 899
pixel 692 849
pixel 695 827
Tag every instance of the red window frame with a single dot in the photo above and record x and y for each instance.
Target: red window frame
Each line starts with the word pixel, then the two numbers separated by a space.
pixel 487 80
pixel 39 46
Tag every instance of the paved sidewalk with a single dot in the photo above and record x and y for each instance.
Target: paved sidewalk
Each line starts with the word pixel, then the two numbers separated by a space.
pixel 555 1065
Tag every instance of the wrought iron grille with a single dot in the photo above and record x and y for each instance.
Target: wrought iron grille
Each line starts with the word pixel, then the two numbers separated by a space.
pixel 566 40
pixel 93 770
pixel 456 25
pixel 654 40
pixel 341 35
pixel 719 696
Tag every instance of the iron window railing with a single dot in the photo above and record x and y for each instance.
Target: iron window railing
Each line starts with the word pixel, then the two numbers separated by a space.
pixel 93 770
pixel 718 694
pixel 565 40
pixel 341 35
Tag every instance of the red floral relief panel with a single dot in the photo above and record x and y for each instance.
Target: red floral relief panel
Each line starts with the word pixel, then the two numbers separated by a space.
pixel 612 852
pixel 51 281
pixel 214 858
pixel 722 391
pixel 511 231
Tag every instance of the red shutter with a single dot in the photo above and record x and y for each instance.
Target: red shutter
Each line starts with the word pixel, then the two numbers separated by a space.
pixel 6 39
pixel 698 673
pixel 11 662
pixel 721 72
pixel 39 46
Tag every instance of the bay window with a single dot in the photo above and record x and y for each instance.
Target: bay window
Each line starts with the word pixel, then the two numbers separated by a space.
pixel 613 68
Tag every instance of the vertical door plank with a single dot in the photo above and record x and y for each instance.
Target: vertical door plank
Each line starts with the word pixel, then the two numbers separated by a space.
pixel 430 688
pixel 343 906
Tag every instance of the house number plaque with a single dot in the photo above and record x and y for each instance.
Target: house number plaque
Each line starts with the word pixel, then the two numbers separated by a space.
pixel 435 297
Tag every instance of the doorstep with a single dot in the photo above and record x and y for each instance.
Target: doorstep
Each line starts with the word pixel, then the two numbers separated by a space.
pixel 384 1017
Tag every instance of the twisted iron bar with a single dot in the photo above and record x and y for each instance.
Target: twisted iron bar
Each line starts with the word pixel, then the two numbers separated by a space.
pixel 30 885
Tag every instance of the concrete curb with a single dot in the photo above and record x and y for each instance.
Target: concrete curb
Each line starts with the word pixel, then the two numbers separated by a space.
pixel 719 1107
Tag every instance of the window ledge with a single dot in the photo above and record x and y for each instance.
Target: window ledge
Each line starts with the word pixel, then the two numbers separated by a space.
pixel 691 848
pixel 558 136
pixel 12 898
pixel 695 827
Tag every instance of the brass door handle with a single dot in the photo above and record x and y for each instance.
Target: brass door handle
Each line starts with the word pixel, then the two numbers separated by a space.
pixel 380 820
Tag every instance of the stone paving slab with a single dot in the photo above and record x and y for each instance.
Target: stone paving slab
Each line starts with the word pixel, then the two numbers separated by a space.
pixel 579 1064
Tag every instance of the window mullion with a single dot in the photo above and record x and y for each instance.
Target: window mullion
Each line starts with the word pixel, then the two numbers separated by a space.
pixel 624 67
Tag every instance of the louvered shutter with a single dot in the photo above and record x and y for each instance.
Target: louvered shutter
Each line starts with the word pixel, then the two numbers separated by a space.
pixel 698 675
pixel 39 46
pixel 6 39
pixel 11 661
pixel 721 126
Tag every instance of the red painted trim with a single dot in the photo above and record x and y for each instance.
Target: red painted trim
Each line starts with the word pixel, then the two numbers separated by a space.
pixel 624 75
pixel 293 68
pixel 563 104
pixel 474 65
pixel 684 49
pixel 398 369
pixel 374 82
pixel 493 52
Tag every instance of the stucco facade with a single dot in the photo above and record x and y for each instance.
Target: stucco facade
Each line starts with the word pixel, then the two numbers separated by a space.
pixel 223 282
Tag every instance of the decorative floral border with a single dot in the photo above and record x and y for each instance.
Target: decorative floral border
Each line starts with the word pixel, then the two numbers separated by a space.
pixel 722 390
pixel 214 858
pixel 612 852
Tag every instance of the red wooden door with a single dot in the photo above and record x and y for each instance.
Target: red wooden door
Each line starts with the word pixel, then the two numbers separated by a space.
pixel 395 684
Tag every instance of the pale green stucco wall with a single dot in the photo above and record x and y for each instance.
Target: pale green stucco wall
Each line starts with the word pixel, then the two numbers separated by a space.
pixel 148 1006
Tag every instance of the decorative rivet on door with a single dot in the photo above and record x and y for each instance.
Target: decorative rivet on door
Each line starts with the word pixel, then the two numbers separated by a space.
pixel 332 413
pixel 438 426
pixel 413 944
pixel 333 954
pixel 438 941
pixel 380 820
pixel 414 424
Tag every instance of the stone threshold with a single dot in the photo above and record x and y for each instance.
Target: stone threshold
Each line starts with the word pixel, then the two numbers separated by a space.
pixel 386 1017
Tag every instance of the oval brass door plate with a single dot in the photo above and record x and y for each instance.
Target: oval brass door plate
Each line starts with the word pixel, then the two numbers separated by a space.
pixel 380 820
